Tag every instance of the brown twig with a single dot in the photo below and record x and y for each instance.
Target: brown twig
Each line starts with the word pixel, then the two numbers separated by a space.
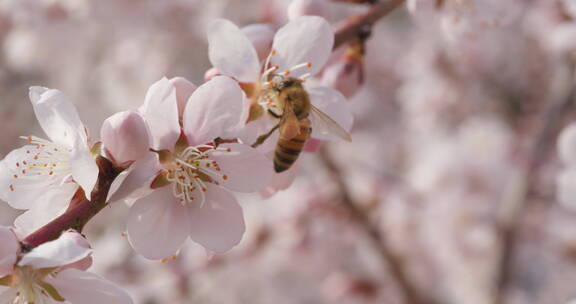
pixel 516 203
pixel 81 210
pixel 357 25
pixel 394 262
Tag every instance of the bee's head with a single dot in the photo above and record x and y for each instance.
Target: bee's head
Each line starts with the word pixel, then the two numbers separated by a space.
pixel 290 82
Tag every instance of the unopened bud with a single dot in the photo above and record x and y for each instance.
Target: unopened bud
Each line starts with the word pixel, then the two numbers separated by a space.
pixel 211 73
pixel 300 8
pixel 184 89
pixel 347 73
pixel 261 36
pixel 125 137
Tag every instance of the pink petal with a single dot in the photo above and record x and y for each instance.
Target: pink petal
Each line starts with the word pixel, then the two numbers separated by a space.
pixel 65 250
pixel 333 104
pixel 22 193
pixel 261 36
pixel 219 224
pixel 81 287
pixel 56 114
pixel 247 169
pixel 251 131
pixel 7 295
pixel 136 182
pixel 281 181
pixel 231 52
pixel 312 145
pixel 158 224
pixel 47 207
pixel 8 251
pixel 304 39
pixel 125 137
pixel 214 110
pixel 160 111
pixel 84 168
pixel 299 8
pixel 184 90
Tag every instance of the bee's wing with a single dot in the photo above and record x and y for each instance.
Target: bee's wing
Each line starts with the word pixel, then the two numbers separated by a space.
pixel 289 124
pixel 326 125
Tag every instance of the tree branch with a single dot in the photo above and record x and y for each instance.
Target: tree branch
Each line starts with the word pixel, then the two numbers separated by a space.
pixel 80 211
pixel 516 202
pixel 357 25
pixel 395 263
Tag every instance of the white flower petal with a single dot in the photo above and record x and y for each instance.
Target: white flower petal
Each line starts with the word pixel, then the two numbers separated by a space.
pixel 135 182
pixel 247 169
pixel 8 251
pixel 7 295
pixel 22 192
pixel 304 39
pixel 157 224
pixel 184 89
pixel 261 36
pixel 281 181
pixel 231 53
pixel 84 168
pixel 160 111
pixel 214 110
pixel 49 206
pixel 219 224
pixel 567 145
pixel 81 287
pixel 70 247
pixel 333 104
pixel 56 114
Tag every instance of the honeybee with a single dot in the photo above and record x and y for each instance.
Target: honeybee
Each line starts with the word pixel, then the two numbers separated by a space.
pixel 288 101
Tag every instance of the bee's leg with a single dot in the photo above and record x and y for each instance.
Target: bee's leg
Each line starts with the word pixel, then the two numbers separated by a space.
pixel 260 140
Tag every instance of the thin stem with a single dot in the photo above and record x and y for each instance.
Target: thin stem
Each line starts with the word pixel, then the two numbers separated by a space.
pixel 394 262
pixel 81 209
pixel 357 25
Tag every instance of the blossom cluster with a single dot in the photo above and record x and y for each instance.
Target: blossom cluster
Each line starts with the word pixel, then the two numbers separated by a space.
pixel 184 154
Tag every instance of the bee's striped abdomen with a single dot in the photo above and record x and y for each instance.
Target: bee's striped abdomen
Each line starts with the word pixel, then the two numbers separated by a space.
pixel 288 150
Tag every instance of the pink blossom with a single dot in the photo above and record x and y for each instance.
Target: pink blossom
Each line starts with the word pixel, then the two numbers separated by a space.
pixel 53 272
pixel 125 137
pixel 43 175
pixel 193 172
pixel 300 49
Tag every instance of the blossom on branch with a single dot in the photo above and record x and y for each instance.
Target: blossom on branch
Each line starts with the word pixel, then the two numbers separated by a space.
pixel 194 166
pixel 44 175
pixel 54 272
pixel 300 49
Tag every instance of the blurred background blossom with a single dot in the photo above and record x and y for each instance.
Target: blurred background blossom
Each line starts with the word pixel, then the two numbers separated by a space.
pixel 451 97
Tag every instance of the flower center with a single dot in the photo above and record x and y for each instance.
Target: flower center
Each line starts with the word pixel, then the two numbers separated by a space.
pixel 29 286
pixel 192 169
pixel 44 159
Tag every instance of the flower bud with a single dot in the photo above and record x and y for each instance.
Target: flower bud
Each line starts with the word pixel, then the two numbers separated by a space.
pixel 300 8
pixel 125 137
pixel 347 73
pixel 261 36
pixel 184 89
